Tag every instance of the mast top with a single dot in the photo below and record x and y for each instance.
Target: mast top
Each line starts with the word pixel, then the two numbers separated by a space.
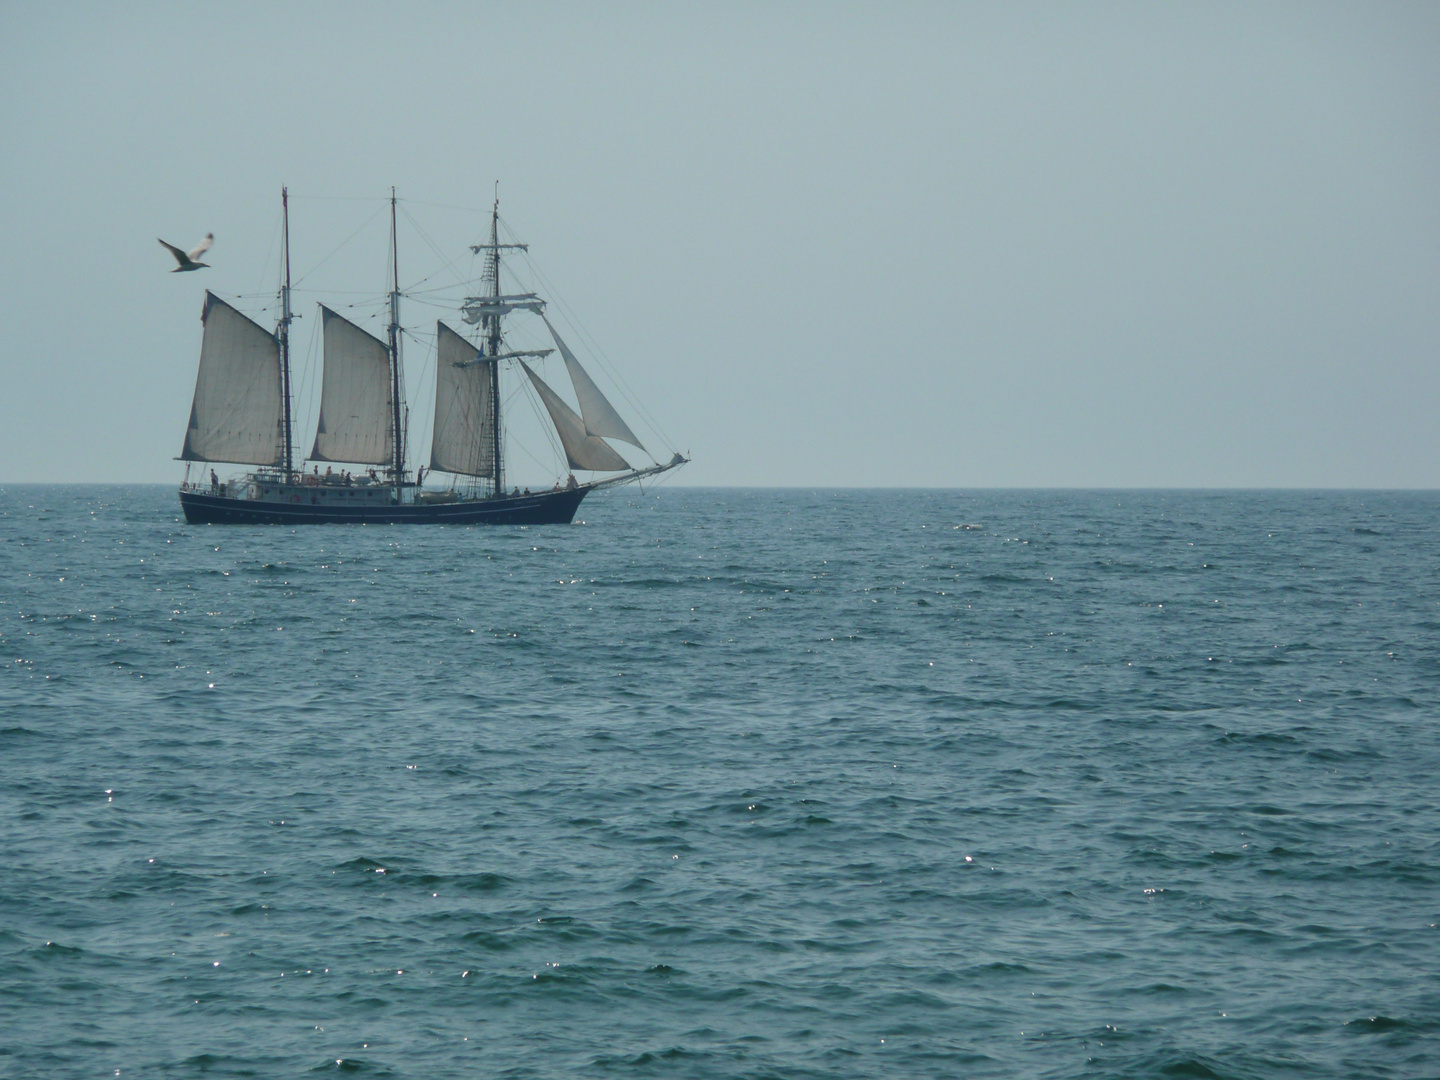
pixel 494 244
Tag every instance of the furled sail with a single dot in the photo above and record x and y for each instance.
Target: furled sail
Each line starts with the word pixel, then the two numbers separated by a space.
pixel 356 411
pixel 600 416
pixel 582 450
pixel 476 308
pixel 464 402
pixel 237 414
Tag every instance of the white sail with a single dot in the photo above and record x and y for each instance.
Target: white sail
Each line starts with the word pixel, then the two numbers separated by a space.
pixel 356 410
pixel 600 416
pixel 582 450
pixel 464 438
pixel 237 414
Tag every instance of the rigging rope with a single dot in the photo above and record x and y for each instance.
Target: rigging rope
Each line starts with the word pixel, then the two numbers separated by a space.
pixel 342 244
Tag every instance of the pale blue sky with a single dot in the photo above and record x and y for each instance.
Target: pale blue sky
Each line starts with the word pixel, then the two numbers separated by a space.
pixel 942 245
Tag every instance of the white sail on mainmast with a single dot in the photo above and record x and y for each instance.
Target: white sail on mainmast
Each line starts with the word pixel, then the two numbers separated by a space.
pixel 356 409
pixel 463 439
pixel 238 414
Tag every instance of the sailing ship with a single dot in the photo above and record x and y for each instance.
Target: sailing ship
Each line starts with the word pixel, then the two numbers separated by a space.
pixel 242 414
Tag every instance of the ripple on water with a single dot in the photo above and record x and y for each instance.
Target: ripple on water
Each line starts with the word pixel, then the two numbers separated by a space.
pixel 821 785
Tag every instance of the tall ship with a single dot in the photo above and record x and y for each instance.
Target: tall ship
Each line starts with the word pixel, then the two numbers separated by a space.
pixel 243 414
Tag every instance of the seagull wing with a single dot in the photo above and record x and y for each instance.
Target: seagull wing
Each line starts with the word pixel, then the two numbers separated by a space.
pixel 203 246
pixel 180 256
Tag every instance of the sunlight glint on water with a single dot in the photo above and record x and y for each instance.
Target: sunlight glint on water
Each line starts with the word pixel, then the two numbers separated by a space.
pixel 723 783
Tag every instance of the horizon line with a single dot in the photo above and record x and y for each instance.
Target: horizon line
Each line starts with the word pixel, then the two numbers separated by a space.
pixel 860 487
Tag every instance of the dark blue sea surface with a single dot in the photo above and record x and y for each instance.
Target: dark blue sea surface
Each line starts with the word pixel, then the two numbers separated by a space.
pixel 725 783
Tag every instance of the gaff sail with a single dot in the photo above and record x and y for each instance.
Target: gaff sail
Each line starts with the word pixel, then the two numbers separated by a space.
pixel 463 440
pixel 356 412
pixel 237 414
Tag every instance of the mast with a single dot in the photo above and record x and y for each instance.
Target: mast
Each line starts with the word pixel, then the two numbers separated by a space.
pixel 284 334
pixel 398 439
pixel 488 310
pixel 494 339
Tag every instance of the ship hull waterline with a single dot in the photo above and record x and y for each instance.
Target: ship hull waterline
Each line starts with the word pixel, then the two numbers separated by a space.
pixel 541 508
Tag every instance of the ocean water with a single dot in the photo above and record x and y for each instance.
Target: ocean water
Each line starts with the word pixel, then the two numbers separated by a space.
pixel 725 784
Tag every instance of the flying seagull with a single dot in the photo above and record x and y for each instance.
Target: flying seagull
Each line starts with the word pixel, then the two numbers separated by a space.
pixel 187 260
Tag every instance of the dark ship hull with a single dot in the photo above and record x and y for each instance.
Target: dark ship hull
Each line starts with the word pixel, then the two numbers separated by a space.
pixel 352 506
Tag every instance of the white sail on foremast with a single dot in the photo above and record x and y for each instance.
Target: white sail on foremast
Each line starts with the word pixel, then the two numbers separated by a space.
pixel 582 450
pixel 463 439
pixel 356 410
pixel 237 414
pixel 598 414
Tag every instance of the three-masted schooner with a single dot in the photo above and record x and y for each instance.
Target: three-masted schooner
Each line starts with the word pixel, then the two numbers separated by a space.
pixel 242 414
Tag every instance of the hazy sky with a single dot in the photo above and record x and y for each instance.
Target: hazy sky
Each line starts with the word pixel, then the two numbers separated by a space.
pixel 942 245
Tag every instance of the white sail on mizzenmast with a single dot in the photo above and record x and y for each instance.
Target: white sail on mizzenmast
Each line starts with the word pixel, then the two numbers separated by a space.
pixel 356 410
pixel 237 414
